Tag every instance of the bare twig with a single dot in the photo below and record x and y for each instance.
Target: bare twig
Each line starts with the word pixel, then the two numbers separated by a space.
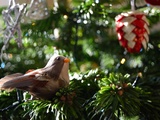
pixel 12 23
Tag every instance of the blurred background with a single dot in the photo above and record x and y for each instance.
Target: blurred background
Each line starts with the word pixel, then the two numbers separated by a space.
pixel 81 30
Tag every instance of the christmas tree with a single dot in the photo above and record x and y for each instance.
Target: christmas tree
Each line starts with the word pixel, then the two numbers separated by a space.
pixel 114 51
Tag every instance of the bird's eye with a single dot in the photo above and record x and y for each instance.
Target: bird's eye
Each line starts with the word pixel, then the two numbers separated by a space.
pixel 58 58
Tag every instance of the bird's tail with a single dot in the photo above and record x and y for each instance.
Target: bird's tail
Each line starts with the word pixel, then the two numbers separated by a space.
pixel 17 80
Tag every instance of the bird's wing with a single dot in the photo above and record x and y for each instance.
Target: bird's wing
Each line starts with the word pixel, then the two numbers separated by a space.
pixel 18 80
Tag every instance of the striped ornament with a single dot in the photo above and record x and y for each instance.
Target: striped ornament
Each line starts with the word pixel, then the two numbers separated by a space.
pixel 132 30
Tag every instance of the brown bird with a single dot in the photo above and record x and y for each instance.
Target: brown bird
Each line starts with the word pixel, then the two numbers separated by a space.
pixel 41 83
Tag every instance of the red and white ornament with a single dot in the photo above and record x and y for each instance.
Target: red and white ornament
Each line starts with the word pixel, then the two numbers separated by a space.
pixel 132 29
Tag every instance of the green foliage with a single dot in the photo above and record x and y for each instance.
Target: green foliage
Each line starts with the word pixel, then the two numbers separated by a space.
pixel 118 98
pixel 9 106
pixel 91 95
pixel 65 105
pixel 5 96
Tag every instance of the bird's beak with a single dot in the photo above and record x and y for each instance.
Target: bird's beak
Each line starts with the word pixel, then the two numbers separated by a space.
pixel 66 60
